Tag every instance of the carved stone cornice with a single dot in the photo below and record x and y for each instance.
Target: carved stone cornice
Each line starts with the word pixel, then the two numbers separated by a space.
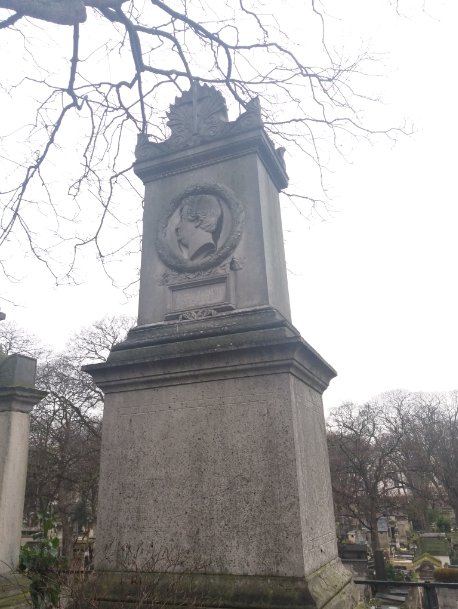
pixel 253 141
pixel 201 135
pixel 242 343
pixel 19 399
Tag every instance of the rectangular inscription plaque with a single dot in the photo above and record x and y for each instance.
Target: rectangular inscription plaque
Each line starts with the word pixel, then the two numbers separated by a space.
pixel 198 294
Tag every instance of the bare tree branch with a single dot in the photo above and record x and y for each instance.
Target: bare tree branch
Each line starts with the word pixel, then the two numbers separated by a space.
pixel 10 20
pixel 62 12
pixel 92 105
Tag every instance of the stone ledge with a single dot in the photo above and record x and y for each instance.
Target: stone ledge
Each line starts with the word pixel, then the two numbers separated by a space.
pixel 245 343
pixel 19 399
pixel 230 322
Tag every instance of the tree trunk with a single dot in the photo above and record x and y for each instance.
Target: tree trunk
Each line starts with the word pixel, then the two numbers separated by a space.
pixel 63 506
pixel 375 541
pixel 419 514
pixel 67 537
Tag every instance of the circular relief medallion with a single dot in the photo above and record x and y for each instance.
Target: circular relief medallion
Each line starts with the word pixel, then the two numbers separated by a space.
pixel 201 228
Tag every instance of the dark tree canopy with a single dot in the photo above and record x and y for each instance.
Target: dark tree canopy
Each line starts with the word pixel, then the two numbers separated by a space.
pixel 89 76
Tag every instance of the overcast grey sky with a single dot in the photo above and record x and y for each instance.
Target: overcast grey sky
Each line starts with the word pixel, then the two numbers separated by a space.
pixel 373 283
pixel 375 286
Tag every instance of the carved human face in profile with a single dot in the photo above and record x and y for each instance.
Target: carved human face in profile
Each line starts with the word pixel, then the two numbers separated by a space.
pixel 199 227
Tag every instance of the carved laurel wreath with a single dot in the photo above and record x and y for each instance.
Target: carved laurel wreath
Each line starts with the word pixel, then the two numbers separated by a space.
pixel 172 259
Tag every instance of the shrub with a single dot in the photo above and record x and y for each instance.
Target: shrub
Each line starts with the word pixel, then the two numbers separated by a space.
pixel 443 524
pixel 40 563
pixel 446 574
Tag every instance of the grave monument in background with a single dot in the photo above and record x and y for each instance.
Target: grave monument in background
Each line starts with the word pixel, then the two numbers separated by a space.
pixel 18 396
pixel 214 445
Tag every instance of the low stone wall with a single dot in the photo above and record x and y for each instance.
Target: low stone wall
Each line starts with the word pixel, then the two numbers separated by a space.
pixel 447 598
pixel 358 569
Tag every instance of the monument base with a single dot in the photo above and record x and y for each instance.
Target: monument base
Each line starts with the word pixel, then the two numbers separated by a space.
pixel 214 458
pixel 330 587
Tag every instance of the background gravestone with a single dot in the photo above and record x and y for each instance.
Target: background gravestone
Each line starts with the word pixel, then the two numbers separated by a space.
pixel 214 458
pixel 17 398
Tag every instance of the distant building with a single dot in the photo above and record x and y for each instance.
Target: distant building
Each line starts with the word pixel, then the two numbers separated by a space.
pixel 393 531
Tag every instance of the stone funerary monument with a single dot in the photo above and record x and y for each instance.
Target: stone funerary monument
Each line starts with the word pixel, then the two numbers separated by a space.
pixel 214 446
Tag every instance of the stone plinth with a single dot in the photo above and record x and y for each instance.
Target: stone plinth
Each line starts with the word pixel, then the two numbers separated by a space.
pixel 17 398
pixel 214 451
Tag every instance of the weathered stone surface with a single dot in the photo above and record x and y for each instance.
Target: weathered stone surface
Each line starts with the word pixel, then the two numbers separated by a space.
pixel 215 590
pixel 214 451
pixel 215 456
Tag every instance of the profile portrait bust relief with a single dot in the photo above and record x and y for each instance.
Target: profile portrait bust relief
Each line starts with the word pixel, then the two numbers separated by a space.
pixel 200 228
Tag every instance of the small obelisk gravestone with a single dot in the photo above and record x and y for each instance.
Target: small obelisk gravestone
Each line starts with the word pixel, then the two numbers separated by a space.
pixel 214 445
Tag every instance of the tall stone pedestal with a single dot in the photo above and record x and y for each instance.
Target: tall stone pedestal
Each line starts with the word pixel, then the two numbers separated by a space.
pixel 214 463
pixel 214 451
pixel 17 398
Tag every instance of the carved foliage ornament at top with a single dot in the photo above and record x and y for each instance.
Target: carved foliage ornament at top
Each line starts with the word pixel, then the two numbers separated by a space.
pixel 199 113
pixel 197 117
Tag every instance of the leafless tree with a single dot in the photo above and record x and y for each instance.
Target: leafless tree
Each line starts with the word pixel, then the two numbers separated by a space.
pixel 93 344
pixel 14 339
pixel 95 73
pixel 433 431
pixel 363 453
pixel 66 431
pixel 64 447
pixel 414 454
pixel 398 451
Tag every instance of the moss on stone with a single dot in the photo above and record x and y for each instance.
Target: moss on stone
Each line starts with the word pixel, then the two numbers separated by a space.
pixel 204 590
pixel 117 589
